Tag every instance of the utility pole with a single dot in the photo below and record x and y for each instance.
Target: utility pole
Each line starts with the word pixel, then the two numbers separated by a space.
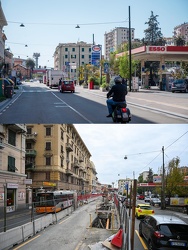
pixel 130 49
pixel 163 183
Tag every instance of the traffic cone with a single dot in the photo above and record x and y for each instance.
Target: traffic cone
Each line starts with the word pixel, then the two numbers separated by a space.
pixel 118 239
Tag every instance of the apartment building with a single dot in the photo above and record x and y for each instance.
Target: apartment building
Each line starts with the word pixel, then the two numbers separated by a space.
pixel 12 166
pixel 57 158
pixel 114 38
pixel 181 31
pixel 70 56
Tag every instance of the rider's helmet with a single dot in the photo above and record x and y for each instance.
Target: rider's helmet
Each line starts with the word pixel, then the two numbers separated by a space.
pixel 118 79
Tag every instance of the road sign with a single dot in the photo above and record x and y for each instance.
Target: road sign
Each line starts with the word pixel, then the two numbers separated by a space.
pixel 106 67
pixel 96 55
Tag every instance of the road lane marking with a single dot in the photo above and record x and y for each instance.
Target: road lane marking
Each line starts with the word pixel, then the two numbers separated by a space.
pixel 141 240
pixel 72 108
pixel 27 242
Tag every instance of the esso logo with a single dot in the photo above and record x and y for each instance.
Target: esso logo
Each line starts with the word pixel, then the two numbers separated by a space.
pixel 157 48
pixel 96 48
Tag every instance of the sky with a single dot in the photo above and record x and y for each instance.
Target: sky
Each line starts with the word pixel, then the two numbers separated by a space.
pixel 141 144
pixel 48 23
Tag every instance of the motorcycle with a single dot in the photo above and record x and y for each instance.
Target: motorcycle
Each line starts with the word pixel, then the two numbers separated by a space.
pixel 121 114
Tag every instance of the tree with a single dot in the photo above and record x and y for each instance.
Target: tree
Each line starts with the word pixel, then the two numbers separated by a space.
pixel 174 178
pixel 150 175
pixel 153 35
pixel 179 41
pixel 30 63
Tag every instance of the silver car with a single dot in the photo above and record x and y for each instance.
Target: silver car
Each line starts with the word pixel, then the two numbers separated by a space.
pixel 180 85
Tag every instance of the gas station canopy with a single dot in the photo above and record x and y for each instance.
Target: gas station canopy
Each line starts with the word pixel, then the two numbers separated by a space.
pixel 159 53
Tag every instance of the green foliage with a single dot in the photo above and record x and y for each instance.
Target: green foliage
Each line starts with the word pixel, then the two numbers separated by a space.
pixel 30 63
pixel 174 178
pixel 153 35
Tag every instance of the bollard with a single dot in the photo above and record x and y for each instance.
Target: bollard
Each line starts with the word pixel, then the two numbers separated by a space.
pixel 90 220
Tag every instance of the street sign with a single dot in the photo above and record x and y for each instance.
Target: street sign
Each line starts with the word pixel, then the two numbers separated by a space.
pixel 106 67
pixel 96 55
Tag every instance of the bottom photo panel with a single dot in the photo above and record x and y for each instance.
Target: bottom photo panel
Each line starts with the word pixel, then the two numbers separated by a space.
pixel 93 186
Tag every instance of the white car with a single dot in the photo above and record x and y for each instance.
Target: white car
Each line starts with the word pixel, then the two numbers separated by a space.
pixel 147 199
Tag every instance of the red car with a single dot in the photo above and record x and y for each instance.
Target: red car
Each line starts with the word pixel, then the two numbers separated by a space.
pixel 67 86
pixel 141 197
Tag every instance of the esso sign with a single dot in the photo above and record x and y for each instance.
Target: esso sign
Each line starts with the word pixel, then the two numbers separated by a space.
pixel 96 48
pixel 157 48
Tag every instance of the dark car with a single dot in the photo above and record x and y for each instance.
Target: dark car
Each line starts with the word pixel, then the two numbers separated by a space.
pixel 67 86
pixel 164 232
pixel 155 201
pixel 180 85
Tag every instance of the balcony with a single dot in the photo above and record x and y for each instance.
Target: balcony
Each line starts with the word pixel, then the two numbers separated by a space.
pixel 31 137
pixel 69 147
pixel 31 152
pixel 81 159
pixel 19 128
pixel 69 172
pixel 30 166
pixel 76 164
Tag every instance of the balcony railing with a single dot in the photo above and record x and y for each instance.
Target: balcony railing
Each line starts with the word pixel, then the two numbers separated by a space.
pixel 69 147
pixel 31 152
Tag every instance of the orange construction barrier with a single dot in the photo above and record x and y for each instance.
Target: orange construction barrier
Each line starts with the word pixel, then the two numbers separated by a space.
pixel 118 239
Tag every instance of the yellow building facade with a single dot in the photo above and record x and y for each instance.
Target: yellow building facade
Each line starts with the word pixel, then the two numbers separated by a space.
pixel 57 158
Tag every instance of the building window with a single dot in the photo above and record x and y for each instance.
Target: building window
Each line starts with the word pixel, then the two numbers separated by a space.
pixel 82 49
pixel 89 49
pixel 28 145
pixel 11 137
pixel 73 49
pixel 48 145
pixel 48 131
pixel 29 131
pixel 82 56
pixel 66 49
pixel 11 164
pixel 48 161
pixel 62 135
pixel 66 56
pixel 48 176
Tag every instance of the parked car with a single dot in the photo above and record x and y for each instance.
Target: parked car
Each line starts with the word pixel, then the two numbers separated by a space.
pixel 164 232
pixel 140 197
pixel 155 201
pixel 142 210
pixel 180 85
pixel 147 199
pixel 67 86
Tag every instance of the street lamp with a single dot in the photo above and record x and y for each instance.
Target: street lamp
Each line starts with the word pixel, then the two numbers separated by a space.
pixel 22 25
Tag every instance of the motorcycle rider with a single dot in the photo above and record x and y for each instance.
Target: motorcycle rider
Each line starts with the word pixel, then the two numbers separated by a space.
pixel 118 93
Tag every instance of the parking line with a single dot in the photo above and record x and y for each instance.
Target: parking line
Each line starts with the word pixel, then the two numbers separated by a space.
pixel 141 240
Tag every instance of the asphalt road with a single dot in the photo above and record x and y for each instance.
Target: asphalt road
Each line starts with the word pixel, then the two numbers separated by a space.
pixel 37 103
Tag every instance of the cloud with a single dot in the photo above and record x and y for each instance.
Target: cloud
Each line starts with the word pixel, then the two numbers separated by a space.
pixel 142 144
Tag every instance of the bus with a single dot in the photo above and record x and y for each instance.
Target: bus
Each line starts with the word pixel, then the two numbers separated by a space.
pixel 54 201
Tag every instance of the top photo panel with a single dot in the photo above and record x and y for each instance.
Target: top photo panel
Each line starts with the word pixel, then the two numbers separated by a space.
pixel 72 63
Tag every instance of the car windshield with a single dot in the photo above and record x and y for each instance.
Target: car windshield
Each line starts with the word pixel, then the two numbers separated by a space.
pixel 146 207
pixel 178 82
pixel 171 229
pixel 67 82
